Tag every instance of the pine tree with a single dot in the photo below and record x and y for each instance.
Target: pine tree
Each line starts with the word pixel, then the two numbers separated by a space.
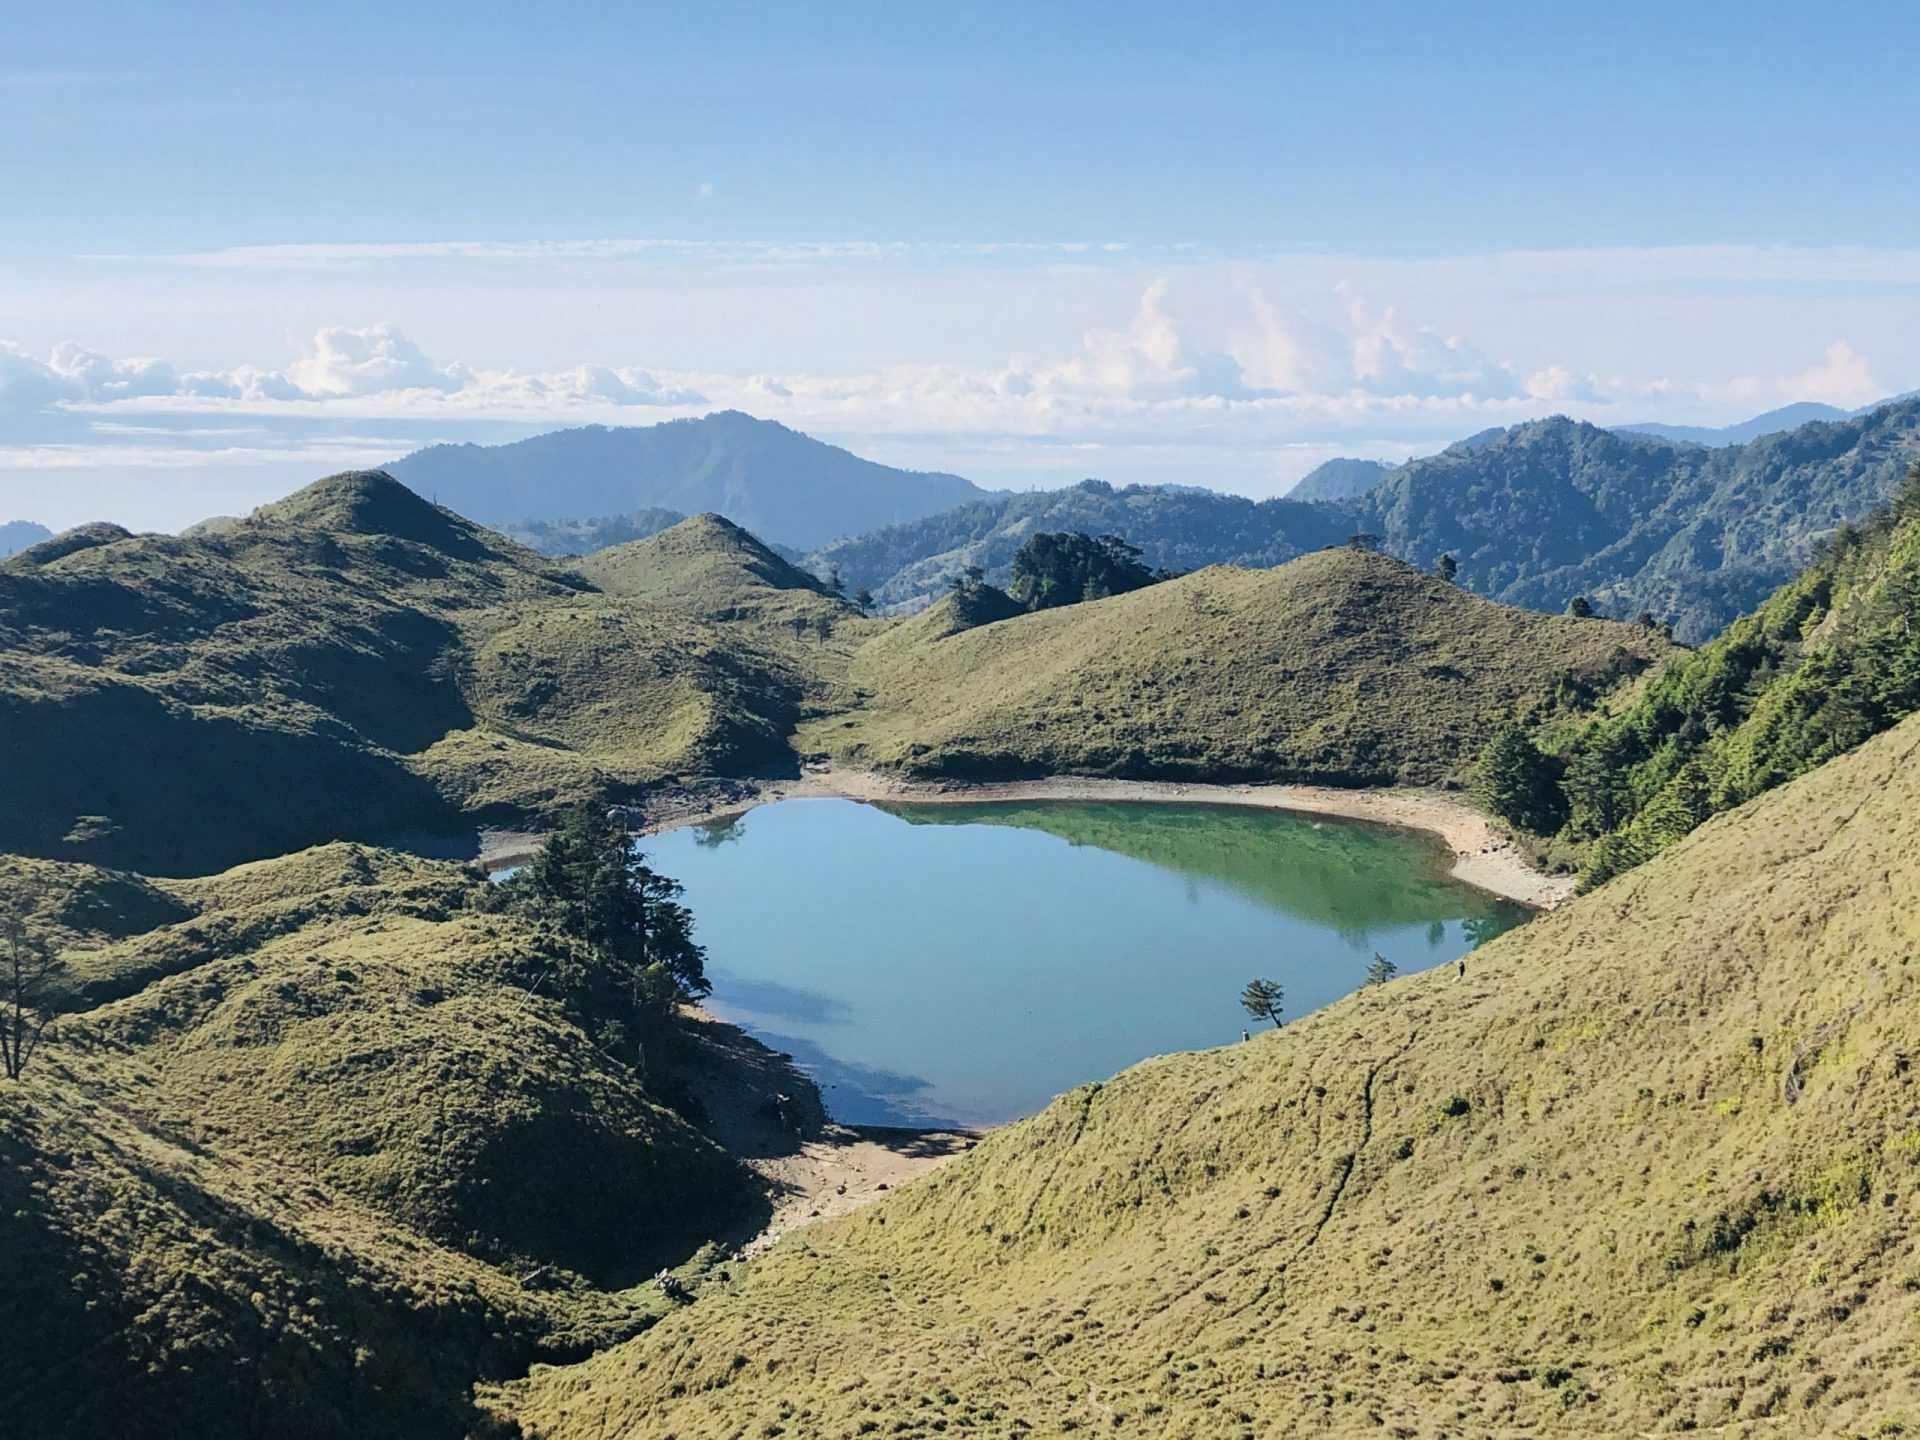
pixel 1381 970
pixel 1262 1000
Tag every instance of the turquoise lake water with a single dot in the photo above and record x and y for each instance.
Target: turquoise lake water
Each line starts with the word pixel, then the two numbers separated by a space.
pixel 964 964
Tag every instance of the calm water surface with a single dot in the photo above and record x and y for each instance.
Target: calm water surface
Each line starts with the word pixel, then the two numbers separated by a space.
pixel 963 964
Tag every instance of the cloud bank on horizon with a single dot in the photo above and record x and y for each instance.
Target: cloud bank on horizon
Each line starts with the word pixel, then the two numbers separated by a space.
pixel 1074 360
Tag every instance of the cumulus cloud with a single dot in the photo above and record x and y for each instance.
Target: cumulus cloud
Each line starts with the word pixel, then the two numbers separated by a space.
pixel 344 361
pixel 1151 359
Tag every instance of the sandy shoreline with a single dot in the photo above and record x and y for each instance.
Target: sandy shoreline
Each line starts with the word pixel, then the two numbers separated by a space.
pixel 1481 857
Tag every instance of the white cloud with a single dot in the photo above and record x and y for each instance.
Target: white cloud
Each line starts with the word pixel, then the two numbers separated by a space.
pixel 344 361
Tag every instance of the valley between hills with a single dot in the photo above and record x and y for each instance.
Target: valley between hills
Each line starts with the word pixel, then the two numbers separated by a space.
pixel 334 1136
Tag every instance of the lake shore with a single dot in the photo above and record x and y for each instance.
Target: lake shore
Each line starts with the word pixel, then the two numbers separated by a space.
pixel 1482 857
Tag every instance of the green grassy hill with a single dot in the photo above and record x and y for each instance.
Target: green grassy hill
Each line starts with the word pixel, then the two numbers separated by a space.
pixel 1651 1166
pixel 710 567
pixel 354 661
pixel 307 1156
pixel 1341 666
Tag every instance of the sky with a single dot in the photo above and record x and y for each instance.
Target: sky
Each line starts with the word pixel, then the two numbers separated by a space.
pixel 242 246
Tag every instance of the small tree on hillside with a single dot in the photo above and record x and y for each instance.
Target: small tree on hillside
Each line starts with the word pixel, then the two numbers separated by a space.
pixel 1381 970
pixel 1262 1000
pixel 835 585
pixel 26 995
pixel 863 601
pixel 1446 567
pixel 1580 608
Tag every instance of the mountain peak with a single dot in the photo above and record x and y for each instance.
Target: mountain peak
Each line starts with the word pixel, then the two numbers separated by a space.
pixel 779 483
pixel 370 502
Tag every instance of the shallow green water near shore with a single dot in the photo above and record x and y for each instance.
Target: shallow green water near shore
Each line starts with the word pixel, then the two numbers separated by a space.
pixel 965 963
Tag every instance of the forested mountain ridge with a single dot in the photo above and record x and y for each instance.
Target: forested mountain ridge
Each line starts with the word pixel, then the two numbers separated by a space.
pixel 1340 479
pixel 1176 527
pixel 1533 515
pixel 1831 659
pixel 1558 508
pixel 784 486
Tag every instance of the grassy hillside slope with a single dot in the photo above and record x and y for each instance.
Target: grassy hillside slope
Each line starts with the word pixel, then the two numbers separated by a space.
pixel 346 663
pixel 1341 666
pixel 308 1157
pixel 1651 1166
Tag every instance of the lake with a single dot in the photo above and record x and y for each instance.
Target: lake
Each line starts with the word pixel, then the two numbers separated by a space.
pixel 963 964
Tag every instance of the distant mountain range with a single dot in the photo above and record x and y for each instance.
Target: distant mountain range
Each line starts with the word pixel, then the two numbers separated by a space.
pixel 1787 417
pixel 1178 528
pixel 1534 515
pixel 17 535
pixel 778 483
pixel 1341 479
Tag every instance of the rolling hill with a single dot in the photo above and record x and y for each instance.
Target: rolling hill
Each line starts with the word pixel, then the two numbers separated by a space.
pixel 309 1155
pixel 1648 1167
pixel 1341 666
pixel 349 663
pixel 776 482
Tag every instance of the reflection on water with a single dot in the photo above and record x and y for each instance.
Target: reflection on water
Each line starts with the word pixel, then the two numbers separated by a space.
pixel 963 964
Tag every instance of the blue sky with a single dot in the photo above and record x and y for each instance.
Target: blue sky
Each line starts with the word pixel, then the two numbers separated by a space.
pixel 1210 243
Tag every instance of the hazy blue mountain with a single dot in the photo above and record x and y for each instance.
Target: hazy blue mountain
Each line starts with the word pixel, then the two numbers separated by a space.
pixel 776 482
pixel 1340 479
pixel 583 537
pixel 1177 527
pixel 1787 417
pixel 17 535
